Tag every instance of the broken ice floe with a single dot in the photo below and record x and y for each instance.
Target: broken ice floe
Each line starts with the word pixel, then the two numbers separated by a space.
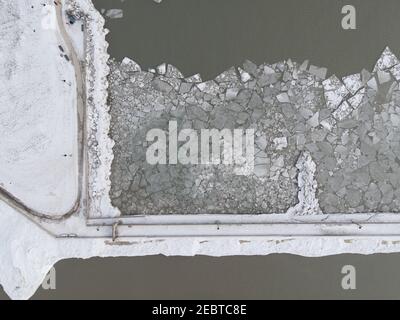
pixel 114 13
pixel 349 128
pixel 386 61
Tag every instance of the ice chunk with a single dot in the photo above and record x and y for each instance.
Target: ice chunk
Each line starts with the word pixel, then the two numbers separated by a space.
pixel 353 83
pixel 114 13
pixel 132 65
pixel 334 91
pixel 386 61
pixel 280 143
pixel 343 111
pixel 318 72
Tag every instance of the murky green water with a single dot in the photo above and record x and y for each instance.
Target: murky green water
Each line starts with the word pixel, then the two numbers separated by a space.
pixel 209 36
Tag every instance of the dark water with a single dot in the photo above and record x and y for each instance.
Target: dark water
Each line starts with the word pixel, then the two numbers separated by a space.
pixel 209 36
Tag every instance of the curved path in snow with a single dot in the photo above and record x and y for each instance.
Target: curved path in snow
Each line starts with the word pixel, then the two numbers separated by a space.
pixel 9 198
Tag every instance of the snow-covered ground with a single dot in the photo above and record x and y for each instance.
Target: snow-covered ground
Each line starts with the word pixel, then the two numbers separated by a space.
pixel 38 109
pixel 76 34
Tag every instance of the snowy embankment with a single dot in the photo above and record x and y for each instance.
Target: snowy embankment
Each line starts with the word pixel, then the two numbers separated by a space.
pixel 38 110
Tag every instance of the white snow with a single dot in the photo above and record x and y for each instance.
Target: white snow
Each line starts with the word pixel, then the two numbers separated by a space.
pixel 100 155
pixel 77 36
pixel 38 114
pixel 308 201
